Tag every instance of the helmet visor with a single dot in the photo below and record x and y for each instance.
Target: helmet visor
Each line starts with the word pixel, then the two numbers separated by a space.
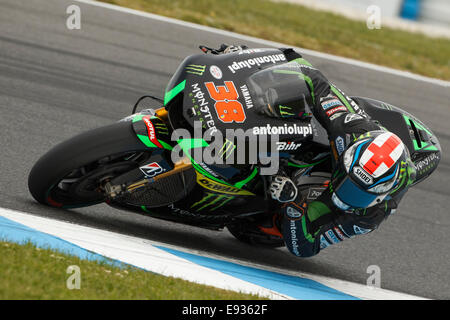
pixel 350 195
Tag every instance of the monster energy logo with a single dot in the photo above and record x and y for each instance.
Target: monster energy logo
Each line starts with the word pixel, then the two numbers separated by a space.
pixel 284 111
pixel 365 135
pixel 195 69
pixel 227 149
pixel 386 106
pixel 211 200
pixel 161 128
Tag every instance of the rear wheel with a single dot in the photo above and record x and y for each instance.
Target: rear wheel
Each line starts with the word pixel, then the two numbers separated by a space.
pixel 73 173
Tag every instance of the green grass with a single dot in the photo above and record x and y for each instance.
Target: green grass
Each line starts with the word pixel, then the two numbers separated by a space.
pixel 27 272
pixel 322 31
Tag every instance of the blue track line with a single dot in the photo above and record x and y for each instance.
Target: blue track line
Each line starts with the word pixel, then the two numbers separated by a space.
pixel 292 286
pixel 15 232
pixel 295 287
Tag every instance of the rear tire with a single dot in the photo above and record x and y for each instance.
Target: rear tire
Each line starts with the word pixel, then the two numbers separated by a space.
pixel 66 175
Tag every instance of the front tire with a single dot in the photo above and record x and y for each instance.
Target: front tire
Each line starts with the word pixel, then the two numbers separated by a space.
pixel 69 175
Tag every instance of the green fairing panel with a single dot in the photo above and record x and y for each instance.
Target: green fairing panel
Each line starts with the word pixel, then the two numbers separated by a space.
pixel 419 144
pixel 172 93
pixel 142 134
pixel 187 144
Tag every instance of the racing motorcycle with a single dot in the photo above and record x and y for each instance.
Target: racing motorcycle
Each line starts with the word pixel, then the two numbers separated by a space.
pixel 129 164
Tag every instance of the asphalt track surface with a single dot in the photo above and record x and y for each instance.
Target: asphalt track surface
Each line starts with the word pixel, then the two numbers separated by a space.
pixel 55 83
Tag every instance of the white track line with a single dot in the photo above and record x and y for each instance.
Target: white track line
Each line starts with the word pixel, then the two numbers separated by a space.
pixel 361 64
pixel 138 252
pixel 143 253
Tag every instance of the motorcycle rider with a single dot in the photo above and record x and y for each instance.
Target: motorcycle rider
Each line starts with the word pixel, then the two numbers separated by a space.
pixel 371 172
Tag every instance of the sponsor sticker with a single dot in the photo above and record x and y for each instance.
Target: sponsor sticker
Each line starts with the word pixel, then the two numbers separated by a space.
pixel 286 129
pixel 358 230
pixel 208 169
pixel 336 115
pixel 362 175
pixel 209 184
pixel 287 146
pixel 247 98
pixel 334 110
pixel 201 107
pixel 427 163
pixel 323 242
pixel 180 211
pixel 152 169
pixel 331 236
pixel 212 201
pixel 215 72
pixel 351 117
pixel 195 69
pixel 314 193
pixel 331 103
pixel 256 62
pixel 294 239
pixel 293 213
pixel 151 131
pixel 285 111
pixel 340 145
pixel 339 233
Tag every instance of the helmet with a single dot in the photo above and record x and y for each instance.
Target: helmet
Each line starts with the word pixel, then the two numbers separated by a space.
pixel 373 166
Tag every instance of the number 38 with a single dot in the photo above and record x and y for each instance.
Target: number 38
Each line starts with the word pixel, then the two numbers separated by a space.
pixel 227 107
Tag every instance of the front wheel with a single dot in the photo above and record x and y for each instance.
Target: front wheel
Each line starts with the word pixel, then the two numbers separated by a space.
pixel 72 174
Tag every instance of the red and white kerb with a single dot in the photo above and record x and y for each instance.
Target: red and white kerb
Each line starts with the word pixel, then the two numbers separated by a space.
pixel 382 154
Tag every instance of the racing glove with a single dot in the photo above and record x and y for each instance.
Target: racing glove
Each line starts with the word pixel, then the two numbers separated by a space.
pixel 229 49
pixel 283 189
pixel 224 49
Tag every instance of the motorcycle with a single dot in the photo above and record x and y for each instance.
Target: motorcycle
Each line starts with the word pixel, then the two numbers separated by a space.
pixel 129 164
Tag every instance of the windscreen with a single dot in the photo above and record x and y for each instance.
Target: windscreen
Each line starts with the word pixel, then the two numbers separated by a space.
pixel 282 90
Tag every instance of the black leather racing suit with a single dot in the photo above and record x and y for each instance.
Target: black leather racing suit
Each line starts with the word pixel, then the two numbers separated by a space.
pixel 322 223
